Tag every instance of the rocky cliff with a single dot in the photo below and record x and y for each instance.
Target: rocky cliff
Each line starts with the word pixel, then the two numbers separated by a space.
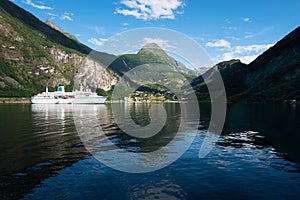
pixel 34 55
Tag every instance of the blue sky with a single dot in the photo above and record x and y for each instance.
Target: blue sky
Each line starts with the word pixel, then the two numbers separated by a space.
pixel 225 29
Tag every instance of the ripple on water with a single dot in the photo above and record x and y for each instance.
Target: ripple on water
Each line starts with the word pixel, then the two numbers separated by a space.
pixel 45 158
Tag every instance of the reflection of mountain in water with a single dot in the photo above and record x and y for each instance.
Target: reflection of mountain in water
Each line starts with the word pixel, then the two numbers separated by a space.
pixel 104 135
pixel 96 137
pixel 264 126
pixel 251 157
pixel 140 115
pixel 44 141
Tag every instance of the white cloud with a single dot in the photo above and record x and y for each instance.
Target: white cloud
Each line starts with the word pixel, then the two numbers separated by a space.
pixel 52 15
pixel 231 55
pixel 245 53
pixel 227 56
pixel 149 9
pixel 233 38
pixel 231 28
pixel 201 39
pixel 251 48
pixel 246 19
pixel 251 35
pixel 66 17
pixel 248 59
pixel 97 29
pixel 41 7
pixel 97 42
pixel 228 21
pixel 160 42
pixel 69 14
pixel 219 44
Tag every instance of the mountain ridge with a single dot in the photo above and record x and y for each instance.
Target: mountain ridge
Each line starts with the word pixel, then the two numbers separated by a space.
pixel 54 26
pixel 34 54
pixel 36 24
pixel 33 58
pixel 150 53
pixel 272 76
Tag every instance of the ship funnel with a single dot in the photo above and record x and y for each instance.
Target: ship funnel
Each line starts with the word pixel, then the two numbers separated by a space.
pixel 61 89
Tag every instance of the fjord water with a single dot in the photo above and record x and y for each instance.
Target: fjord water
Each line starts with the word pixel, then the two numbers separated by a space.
pixel 43 157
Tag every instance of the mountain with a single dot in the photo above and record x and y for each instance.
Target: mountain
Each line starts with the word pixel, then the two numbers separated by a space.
pixel 54 26
pixel 274 76
pixel 34 55
pixel 164 70
pixel 232 73
pixel 34 23
pixel 150 53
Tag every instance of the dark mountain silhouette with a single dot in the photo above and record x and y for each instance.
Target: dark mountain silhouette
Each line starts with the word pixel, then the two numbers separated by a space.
pixel 274 76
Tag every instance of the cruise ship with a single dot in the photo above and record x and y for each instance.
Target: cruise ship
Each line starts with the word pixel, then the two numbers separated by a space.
pixel 62 97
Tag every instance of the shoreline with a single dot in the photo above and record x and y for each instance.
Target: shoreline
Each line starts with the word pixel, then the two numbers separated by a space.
pixel 24 100
pixel 14 100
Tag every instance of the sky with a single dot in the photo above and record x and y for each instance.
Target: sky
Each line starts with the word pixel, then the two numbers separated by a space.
pixel 232 29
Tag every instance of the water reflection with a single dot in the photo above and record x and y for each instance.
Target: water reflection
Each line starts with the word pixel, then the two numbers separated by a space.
pixel 103 137
pixel 36 141
pixel 278 124
pixel 41 153
pixel 164 189
pixel 247 139
pixel 139 114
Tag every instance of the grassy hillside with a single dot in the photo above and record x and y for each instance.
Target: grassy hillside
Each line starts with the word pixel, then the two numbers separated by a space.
pixel 34 55
pixel 164 69
pixel 279 87
pixel 24 52
pixel 35 24
pixel 149 54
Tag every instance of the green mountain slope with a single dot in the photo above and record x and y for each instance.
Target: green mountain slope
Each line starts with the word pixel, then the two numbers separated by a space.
pixel 163 69
pixel 150 54
pixel 272 77
pixel 281 86
pixel 232 73
pixel 281 55
pixel 275 75
pixel 34 55
pixel 34 23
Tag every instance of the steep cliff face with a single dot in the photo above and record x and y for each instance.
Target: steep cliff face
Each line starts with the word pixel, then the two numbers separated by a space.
pixel 30 59
pixel 92 74
pixel 81 69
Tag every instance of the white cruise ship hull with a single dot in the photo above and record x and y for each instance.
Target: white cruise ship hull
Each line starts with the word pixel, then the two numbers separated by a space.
pixel 62 97
pixel 93 100
pixel 51 101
